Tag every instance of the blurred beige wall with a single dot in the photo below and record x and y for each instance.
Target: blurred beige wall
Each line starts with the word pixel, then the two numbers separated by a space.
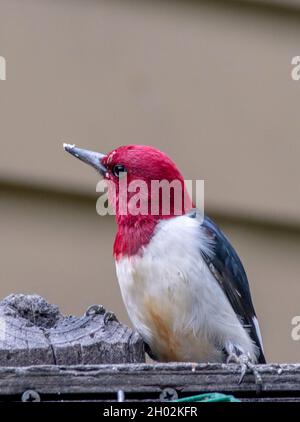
pixel 207 82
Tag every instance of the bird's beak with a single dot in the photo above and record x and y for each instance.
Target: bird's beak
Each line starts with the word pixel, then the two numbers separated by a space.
pixel 92 158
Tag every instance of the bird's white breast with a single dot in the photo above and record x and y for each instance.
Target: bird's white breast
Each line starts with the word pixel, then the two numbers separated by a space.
pixel 174 301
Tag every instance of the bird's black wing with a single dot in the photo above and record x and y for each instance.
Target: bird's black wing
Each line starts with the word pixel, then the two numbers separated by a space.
pixel 228 270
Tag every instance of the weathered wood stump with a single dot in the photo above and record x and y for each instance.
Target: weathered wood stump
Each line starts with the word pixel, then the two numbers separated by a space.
pixel 34 332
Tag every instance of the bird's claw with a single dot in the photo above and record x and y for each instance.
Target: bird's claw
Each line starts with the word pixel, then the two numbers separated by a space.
pixel 244 368
pixel 245 363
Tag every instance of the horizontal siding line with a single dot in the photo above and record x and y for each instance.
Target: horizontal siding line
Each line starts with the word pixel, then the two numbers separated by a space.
pixel 287 7
pixel 262 222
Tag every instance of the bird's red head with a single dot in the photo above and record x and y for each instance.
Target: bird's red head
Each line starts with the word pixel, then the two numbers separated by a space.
pixel 144 187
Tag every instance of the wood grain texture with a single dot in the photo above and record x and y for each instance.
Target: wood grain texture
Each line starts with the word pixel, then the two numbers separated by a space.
pixel 279 379
pixel 33 332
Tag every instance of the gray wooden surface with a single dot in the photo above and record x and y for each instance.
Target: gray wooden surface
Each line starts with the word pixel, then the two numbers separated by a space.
pixel 148 380
pixel 34 332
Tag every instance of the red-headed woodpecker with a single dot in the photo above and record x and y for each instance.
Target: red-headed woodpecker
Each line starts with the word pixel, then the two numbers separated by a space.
pixel 183 284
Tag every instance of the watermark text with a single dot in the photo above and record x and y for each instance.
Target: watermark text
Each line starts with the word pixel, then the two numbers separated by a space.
pixel 2 69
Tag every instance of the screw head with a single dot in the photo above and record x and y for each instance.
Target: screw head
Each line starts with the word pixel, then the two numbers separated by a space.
pixel 168 394
pixel 31 396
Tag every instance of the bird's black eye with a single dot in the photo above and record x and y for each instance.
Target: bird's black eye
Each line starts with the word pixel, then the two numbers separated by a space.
pixel 118 169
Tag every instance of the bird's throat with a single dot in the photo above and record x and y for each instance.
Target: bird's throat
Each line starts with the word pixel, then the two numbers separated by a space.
pixel 133 234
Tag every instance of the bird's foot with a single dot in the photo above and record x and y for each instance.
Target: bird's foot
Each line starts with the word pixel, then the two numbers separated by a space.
pixel 245 363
